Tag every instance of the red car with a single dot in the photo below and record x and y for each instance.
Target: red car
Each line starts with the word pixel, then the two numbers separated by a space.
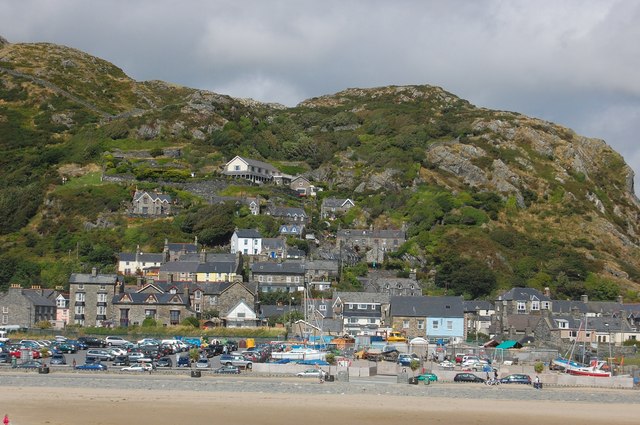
pixel 17 353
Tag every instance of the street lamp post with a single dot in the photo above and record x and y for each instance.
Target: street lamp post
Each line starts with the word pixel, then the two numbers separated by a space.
pixel 609 340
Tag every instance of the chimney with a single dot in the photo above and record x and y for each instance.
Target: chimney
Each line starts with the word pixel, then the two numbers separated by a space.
pixel 619 299
pixel 139 282
pixel 94 272
pixel 584 298
pixel 15 286
pixel 547 292
pixel 170 278
pixel 203 256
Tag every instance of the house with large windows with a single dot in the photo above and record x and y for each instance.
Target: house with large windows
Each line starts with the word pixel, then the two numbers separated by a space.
pixel 286 276
pixel 362 313
pixel 250 169
pixel 89 297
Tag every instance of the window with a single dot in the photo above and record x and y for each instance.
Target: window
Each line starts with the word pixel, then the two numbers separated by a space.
pixel 405 324
pixel 350 306
pixel 80 297
pixel 297 279
pixel 269 278
pixel 213 300
pixel 288 279
pixel 535 305
pixel 241 315
pixel 102 298
pixel 79 309
pixel 59 303
pixel 353 320
pixel 101 310
pixel 449 325
pixel 362 306
pixel 545 305
pixel 435 324
pixel 372 321
pixel 322 307
pixel 103 287
pixel 522 306
pixel 246 241
pixel 5 319
pixel 5 309
pixel 197 295
pixel 172 291
pixel 150 313
pixel 174 317
pixel 420 324
pixel 197 308
pixel 81 286
pixel 260 278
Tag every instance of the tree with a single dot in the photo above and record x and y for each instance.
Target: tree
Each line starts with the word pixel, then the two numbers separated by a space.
pixel 191 321
pixel 466 276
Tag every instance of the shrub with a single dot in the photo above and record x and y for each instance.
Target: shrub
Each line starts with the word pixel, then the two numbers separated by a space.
pixel 538 367
pixel 331 358
pixel 191 321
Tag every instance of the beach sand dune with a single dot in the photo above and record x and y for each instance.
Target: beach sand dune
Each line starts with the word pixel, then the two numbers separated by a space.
pixel 83 406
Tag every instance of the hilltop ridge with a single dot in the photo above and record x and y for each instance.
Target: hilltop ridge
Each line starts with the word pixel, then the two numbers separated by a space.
pixel 531 201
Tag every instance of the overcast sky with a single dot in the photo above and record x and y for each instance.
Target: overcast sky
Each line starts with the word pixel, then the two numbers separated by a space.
pixel 576 63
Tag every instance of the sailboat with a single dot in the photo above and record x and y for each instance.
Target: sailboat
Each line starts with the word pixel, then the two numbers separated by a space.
pixel 597 368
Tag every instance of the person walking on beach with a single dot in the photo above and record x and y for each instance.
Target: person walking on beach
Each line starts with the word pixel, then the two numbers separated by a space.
pixel 536 383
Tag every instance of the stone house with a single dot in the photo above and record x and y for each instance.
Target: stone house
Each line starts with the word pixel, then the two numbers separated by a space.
pixel 478 316
pixel 250 169
pixel 321 273
pixel 26 307
pixel 287 276
pixel 89 297
pixel 150 204
pixel 376 243
pixel 289 215
pixel 332 207
pixel 131 308
pixel 523 301
pixel 274 248
pixel 302 186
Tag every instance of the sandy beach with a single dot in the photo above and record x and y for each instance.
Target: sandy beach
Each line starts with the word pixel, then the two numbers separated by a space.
pixel 94 406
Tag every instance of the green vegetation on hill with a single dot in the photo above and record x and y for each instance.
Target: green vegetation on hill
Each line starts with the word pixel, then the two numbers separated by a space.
pixel 489 199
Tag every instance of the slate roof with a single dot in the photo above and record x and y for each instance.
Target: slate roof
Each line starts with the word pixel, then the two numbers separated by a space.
pixel 291 267
pixel 141 297
pixel 186 247
pixel 208 288
pixel 426 307
pixel 477 305
pixel 272 243
pixel 210 257
pixel 273 310
pixel 89 278
pixel 34 296
pixel 287 212
pixel 142 257
pixel 256 163
pixel 568 306
pixel 375 233
pixel 335 202
pixel 218 267
pixel 523 294
pixel 295 253
pixel 153 195
pixel 362 297
pixel 248 233
pixel 520 322
pixel 180 267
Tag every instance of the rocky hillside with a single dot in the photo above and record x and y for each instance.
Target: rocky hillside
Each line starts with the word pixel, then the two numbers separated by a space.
pixel 490 198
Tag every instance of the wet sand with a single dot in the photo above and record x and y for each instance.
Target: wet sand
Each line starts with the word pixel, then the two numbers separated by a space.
pixel 92 406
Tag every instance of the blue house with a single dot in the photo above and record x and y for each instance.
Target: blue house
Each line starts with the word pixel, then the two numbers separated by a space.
pixel 438 319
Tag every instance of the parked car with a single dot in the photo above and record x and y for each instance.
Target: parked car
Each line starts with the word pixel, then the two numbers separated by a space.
pixel 115 340
pixel 427 376
pixel 184 361
pixel 121 361
pixel 63 347
pixel 164 362
pixel 235 360
pixel 467 377
pixel 79 345
pixel 92 342
pixel 100 354
pixel 31 364
pixel 139 356
pixel 117 351
pixel 138 367
pixel 202 363
pixel 405 359
pixel 516 378
pixel 92 366
pixel 309 373
pixel 228 369
pixel 58 359
pixel 5 358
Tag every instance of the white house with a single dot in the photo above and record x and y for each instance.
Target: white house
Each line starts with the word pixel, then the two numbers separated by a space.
pixel 246 241
pixel 250 169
